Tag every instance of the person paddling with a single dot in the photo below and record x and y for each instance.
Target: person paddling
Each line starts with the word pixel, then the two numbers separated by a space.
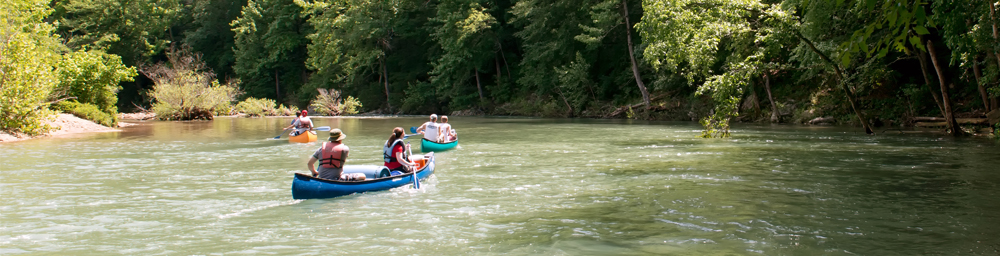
pixel 447 134
pixel 331 157
pixel 430 129
pixel 302 124
pixel 394 153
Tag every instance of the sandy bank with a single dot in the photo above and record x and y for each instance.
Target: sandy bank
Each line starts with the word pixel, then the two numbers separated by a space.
pixel 65 124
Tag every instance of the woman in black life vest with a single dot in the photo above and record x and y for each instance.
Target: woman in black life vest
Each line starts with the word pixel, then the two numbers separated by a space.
pixel 394 152
pixel 331 156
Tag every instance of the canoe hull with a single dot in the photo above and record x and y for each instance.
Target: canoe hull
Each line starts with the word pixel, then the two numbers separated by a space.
pixel 430 146
pixel 308 187
pixel 303 138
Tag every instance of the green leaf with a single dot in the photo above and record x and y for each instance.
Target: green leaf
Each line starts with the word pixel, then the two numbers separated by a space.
pixel 915 41
pixel 920 14
pixel 892 18
pixel 883 52
pixel 921 30
pixel 904 16
pixel 871 5
pixel 845 60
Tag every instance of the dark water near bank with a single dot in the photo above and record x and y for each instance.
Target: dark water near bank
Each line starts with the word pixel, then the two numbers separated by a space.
pixel 513 187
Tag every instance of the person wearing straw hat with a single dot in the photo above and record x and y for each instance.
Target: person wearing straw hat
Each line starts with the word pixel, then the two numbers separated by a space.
pixel 332 156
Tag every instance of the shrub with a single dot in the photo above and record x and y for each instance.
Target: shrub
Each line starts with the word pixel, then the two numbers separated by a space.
pixel 93 77
pixel 287 111
pixel 87 111
pixel 186 90
pixel 329 102
pixel 256 107
pixel 28 55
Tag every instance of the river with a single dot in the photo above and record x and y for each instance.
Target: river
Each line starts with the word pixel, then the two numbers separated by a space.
pixel 514 186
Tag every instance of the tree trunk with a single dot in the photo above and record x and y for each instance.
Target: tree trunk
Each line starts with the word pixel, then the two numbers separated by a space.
pixel 927 80
pixel 774 106
pixel 982 89
pixel 756 100
pixel 479 85
pixel 996 38
pixel 385 76
pixel 497 60
pixel 840 78
pixel 635 66
pixel 569 112
pixel 949 116
pixel 277 87
pixel 504 56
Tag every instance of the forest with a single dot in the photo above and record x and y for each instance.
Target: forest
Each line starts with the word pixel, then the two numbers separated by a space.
pixel 873 64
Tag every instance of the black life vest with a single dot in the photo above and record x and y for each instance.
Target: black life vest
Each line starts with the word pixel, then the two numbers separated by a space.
pixel 387 152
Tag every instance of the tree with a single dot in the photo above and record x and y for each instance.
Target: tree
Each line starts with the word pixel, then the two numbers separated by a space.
pixel 464 30
pixel 93 77
pixel 134 30
pixel 353 39
pixel 548 31
pixel 212 36
pixel 270 48
pixel 29 53
pixel 689 36
pixel 607 15
pixel 903 25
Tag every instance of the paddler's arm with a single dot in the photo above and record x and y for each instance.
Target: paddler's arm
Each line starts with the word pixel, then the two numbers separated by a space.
pixel 420 130
pixel 312 166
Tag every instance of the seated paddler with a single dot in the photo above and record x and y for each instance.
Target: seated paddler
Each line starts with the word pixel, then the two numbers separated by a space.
pixel 395 153
pixel 331 157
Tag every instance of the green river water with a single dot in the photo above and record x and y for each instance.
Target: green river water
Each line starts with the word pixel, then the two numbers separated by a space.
pixel 514 186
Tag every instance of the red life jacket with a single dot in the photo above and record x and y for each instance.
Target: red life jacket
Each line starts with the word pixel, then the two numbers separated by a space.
pixel 327 158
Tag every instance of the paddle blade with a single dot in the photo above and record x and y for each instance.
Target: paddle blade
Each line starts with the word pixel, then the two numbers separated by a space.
pixel 322 128
pixel 413 129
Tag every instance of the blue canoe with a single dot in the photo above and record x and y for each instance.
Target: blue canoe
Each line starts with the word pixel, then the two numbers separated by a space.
pixel 377 178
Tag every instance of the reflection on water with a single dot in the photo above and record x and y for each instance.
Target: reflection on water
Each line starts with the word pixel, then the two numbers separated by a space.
pixel 514 186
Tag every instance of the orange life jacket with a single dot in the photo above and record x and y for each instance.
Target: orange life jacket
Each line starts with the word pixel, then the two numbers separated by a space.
pixel 327 158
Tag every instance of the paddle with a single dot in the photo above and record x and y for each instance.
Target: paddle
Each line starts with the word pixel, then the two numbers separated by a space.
pixel 416 184
pixel 322 128
pixel 413 129
pixel 279 134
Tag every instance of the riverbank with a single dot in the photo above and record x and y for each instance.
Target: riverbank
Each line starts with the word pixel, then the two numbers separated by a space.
pixel 64 124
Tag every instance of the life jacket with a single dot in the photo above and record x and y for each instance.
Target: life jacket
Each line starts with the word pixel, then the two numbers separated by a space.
pixel 387 152
pixel 304 123
pixel 327 158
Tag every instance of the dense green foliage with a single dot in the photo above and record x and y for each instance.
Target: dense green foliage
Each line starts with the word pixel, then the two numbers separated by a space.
pixel 87 111
pixel 270 46
pixel 28 57
pixel 93 77
pixel 867 63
